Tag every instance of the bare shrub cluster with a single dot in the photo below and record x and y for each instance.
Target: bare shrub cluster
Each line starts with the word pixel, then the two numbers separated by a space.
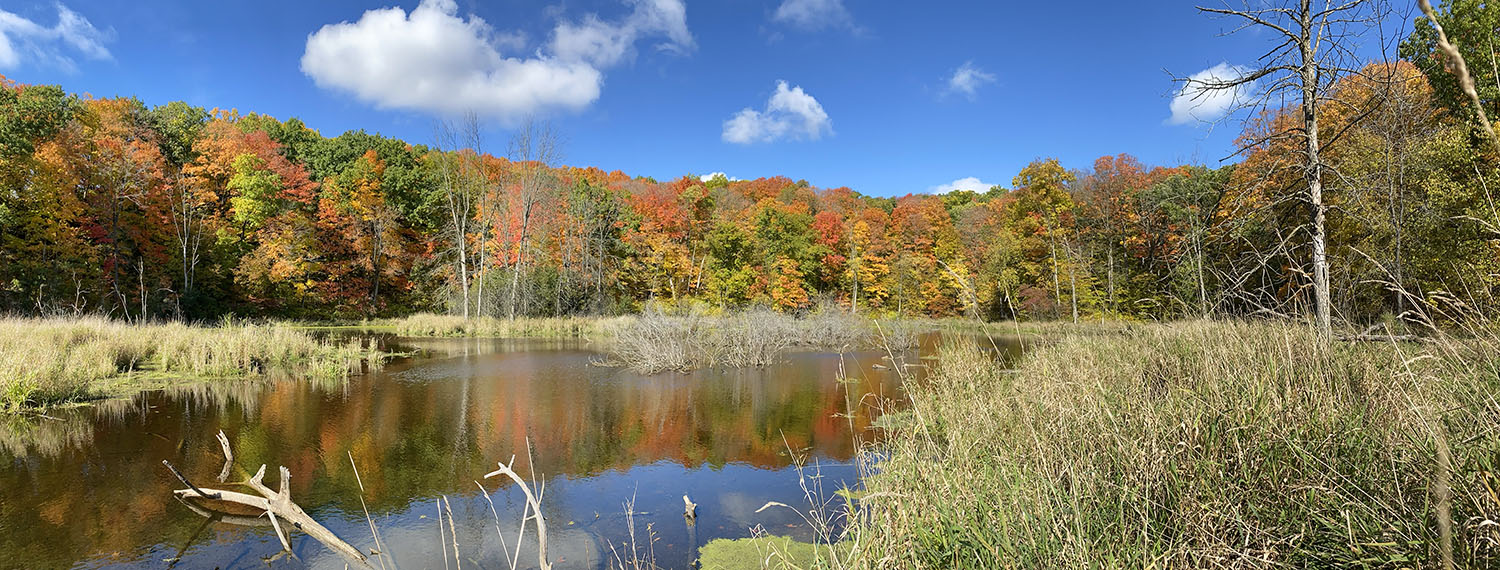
pixel 655 341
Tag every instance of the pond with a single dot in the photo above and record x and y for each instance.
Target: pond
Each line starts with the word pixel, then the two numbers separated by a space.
pixel 86 487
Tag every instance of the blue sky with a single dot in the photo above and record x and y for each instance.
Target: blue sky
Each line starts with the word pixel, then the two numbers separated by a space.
pixel 884 97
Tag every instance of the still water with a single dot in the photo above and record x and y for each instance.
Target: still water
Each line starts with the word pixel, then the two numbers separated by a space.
pixel 86 488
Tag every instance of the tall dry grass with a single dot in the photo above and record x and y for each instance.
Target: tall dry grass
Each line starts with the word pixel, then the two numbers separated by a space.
pixel 46 361
pixel 1195 445
pixel 433 325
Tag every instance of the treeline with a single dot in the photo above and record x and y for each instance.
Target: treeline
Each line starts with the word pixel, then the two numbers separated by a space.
pixel 174 212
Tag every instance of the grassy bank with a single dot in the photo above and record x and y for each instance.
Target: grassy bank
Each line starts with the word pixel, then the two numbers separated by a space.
pixel 50 361
pixel 1195 445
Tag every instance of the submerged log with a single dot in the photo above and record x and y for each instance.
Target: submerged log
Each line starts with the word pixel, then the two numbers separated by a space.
pixel 276 506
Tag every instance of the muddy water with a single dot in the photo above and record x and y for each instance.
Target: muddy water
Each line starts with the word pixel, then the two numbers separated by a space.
pixel 86 487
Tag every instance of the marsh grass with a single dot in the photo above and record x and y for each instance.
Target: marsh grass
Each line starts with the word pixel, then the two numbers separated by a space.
pixel 50 361
pixel 434 325
pixel 1225 445
pixel 682 339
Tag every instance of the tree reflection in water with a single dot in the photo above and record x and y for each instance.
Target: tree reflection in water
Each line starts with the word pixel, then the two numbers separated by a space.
pixel 86 487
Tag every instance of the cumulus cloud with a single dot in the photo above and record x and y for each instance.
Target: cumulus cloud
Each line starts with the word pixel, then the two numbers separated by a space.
pixel 967 79
pixel 21 38
pixel 1198 101
pixel 604 43
pixel 971 184
pixel 790 114
pixel 433 60
pixel 814 15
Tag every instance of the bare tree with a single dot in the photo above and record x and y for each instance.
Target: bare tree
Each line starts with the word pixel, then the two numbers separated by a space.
pixel 533 151
pixel 125 180
pixel 1403 118
pixel 188 212
pixel 460 200
pixel 1315 49
pixel 474 181
pixel 595 210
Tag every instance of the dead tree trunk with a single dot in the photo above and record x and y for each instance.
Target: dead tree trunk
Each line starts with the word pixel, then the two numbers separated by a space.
pixel 1314 176
pixel 1315 49
pixel 277 505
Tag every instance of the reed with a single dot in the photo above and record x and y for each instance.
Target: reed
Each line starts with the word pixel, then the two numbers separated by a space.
pixel 434 325
pixel 1196 444
pixel 50 361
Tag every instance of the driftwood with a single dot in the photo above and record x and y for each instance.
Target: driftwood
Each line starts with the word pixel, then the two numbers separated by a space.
pixel 277 506
pixel 228 457
pixel 1369 335
pixel 534 506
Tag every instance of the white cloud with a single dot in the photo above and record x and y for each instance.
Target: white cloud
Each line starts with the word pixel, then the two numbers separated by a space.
pixel 1198 101
pixel 971 184
pixel 713 175
pixel 433 60
pixel 21 38
pixel 790 114
pixel 967 80
pixel 604 44
pixel 813 15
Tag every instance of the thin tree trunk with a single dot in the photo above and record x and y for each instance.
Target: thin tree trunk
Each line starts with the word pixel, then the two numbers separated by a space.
pixel 1111 254
pixel 1073 289
pixel 854 302
pixel 463 269
pixel 374 265
pixel 479 304
pixel 114 255
pixel 515 276
pixel 1314 174
pixel 1202 286
pixel 1056 280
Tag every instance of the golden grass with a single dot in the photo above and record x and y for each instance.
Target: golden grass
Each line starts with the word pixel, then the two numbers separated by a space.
pixel 1192 445
pixel 48 361
pixel 433 325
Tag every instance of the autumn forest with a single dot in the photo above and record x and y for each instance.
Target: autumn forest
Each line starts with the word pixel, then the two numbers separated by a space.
pixel 177 212
pixel 445 343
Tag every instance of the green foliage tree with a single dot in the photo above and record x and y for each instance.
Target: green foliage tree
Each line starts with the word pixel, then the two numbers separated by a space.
pixel 1472 25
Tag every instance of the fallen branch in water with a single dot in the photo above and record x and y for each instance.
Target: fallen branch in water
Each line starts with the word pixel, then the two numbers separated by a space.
pixel 534 506
pixel 228 457
pixel 275 504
